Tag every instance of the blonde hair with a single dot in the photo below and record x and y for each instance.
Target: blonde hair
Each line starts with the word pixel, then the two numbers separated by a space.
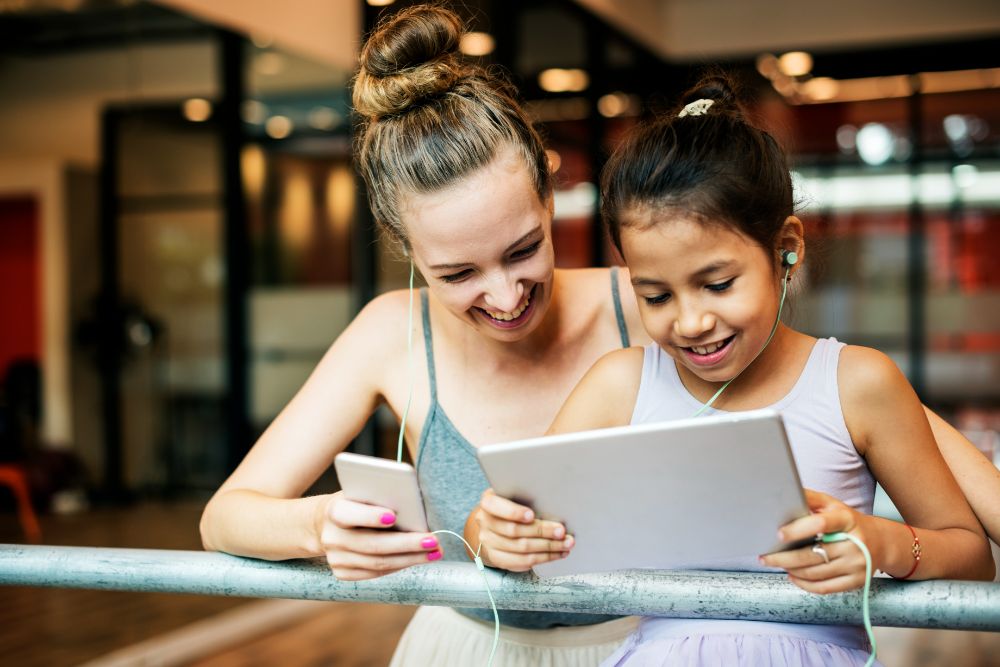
pixel 429 118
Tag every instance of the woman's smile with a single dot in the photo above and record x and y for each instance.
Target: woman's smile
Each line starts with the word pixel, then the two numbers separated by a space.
pixel 513 319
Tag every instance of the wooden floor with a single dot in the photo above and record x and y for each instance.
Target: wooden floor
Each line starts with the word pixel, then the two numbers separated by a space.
pixel 47 627
pixel 57 627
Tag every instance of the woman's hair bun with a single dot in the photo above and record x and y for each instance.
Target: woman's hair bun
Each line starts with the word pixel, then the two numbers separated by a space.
pixel 411 56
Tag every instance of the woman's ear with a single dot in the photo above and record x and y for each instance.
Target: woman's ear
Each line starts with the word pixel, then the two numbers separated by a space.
pixel 792 238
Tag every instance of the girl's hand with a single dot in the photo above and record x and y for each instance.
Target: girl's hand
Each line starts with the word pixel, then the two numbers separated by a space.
pixel 359 544
pixel 806 568
pixel 513 539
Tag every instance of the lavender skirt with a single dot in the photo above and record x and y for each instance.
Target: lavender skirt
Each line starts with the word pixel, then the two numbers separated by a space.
pixel 663 642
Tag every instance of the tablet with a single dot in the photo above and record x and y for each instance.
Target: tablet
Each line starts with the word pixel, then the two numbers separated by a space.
pixel 706 493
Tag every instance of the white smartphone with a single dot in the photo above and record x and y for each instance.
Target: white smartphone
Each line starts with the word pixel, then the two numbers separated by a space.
pixel 377 481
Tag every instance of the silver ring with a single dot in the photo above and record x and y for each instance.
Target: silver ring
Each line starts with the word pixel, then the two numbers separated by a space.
pixel 818 549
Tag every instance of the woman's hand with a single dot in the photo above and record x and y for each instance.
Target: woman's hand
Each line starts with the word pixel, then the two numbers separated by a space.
pixel 807 568
pixel 512 538
pixel 359 545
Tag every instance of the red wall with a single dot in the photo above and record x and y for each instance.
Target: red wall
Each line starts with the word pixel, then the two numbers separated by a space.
pixel 20 278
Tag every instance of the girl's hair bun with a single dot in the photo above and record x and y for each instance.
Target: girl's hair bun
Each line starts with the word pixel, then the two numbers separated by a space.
pixel 411 57
pixel 719 87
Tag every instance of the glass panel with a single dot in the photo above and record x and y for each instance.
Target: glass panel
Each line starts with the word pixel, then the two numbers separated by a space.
pixel 301 206
pixel 171 281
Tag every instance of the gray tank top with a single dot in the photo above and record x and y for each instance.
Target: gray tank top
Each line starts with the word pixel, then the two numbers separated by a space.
pixel 452 482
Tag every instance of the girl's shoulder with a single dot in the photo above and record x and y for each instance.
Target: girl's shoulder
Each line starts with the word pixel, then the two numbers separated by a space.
pixel 866 373
pixel 606 395
pixel 872 391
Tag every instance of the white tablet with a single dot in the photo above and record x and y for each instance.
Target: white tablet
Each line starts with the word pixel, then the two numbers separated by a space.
pixel 708 492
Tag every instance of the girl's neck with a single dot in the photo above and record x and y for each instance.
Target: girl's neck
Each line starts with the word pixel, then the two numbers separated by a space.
pixel 764 382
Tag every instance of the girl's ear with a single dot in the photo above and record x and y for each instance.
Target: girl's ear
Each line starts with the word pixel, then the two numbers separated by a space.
pixel 792 237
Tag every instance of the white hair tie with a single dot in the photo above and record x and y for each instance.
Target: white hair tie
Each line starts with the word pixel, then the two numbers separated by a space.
pixel 696 108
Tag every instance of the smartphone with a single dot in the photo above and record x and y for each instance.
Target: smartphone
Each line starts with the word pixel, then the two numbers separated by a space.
pixel 377 481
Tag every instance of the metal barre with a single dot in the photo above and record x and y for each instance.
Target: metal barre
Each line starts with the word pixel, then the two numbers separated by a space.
pixel 686 594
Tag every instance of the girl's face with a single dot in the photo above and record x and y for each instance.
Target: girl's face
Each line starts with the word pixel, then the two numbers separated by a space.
pixel 707 294
pixel 484 245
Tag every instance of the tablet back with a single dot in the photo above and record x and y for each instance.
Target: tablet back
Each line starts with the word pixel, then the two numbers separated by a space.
pixel 709 492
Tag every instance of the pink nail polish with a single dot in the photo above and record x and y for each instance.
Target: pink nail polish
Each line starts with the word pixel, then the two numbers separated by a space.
pixel 388 518
pixel 434 555
pixel 428 542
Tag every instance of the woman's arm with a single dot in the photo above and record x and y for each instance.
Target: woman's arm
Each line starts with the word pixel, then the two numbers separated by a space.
pixel 508 534
pixel 978 478
pixel 887 424
pixel 258 511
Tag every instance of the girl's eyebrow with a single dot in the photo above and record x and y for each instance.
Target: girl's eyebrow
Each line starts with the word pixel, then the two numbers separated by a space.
pixel 722 265
pixel 713 268
pixel 537 231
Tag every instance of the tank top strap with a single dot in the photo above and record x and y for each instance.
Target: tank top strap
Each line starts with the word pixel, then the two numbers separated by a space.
pixel 425 313
pixel 619 313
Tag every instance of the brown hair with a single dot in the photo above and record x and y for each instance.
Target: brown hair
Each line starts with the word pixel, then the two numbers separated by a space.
pixel 429 117
pixel 716 166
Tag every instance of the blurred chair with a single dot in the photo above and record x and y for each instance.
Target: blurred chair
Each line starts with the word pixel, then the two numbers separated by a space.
pixel 13 476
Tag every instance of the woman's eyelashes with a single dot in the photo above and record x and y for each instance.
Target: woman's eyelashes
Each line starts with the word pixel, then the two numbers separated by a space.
pixel 527 251
pixel 457 277
pixel 523 253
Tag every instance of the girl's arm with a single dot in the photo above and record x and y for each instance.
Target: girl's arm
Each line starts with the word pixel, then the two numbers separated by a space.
pixel 509 534
pixel 887 424
pixel 259 511
pixel 978 478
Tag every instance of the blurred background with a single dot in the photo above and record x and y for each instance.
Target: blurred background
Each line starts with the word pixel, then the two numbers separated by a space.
pixel 182 235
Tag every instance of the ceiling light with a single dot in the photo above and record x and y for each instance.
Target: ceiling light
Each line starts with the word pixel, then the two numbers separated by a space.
pixel 278 127
pixel 795 63
pixel 477 44
pixel 197 109
pixel 563 80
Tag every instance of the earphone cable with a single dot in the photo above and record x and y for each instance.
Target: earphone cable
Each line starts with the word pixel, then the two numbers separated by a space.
pixel 777 321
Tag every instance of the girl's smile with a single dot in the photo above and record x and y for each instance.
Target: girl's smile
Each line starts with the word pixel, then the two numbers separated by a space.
pixel 709 354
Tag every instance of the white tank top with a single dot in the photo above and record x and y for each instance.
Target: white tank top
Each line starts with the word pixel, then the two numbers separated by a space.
pixel 824 454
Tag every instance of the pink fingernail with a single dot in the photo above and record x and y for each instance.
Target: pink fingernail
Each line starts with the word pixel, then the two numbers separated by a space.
pixel 434 555
pixel 388 518
pixel 428 542
pixel 528 516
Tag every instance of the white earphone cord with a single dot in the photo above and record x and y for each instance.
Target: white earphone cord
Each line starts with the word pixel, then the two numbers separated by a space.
pixel 399 458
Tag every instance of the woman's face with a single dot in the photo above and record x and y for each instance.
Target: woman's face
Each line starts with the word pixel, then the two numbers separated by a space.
pixel 484 245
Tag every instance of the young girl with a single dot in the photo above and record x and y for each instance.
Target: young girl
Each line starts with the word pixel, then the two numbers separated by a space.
pixel 700 206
